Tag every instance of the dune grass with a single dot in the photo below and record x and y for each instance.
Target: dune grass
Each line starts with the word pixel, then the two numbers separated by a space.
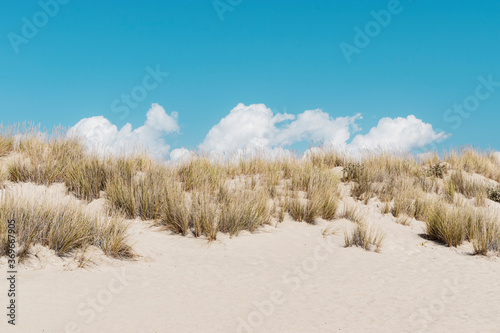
pixel 351 213
pixel 366 237
pixel 204 196
pixel 62 226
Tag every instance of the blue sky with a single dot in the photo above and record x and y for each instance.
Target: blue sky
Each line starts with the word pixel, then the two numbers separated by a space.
pixel 284 54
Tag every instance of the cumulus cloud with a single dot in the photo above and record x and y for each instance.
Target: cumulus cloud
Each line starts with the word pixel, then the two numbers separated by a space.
pixel 99 134
pixel 316 125
pixel 181 155
pixel 245 126
pixel 399 134
pixel 256 127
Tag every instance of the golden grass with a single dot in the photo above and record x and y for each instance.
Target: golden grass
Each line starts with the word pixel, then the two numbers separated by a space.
pixel 448 224
pixel 61 226
pixel 87 178
pixel 352 213
pixel 204 196
pixel 6 141
pixel 366 237
pixel 304 210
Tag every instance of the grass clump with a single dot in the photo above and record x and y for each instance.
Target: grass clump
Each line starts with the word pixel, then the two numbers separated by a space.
pixel 368 238
pixel 43 161
pixel 138 188
pixel 470 189
pixel 62 226
pixel 351 213
pixel 303 209
pixel 484 233
pixel 324 194
pixel 243 211
pixel 87 178
pixel 448 224
pixel 6 142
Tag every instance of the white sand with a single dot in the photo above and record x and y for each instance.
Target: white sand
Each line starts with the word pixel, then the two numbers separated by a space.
pixel 183 284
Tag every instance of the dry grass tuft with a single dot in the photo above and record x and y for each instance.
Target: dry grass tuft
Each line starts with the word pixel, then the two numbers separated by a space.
pixel 204 196
pixel 304 210
pixel 448 224
pixel 62 226
pixel 365 237
pixel 351 213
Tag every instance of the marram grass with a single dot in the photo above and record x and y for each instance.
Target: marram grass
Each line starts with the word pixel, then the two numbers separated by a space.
pixel 205 196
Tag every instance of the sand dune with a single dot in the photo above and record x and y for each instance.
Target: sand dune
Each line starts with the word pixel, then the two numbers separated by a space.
pixel 288 278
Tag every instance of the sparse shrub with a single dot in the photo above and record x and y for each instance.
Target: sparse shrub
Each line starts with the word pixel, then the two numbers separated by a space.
pixel 353 172
pixel 494 193
pixel 437 170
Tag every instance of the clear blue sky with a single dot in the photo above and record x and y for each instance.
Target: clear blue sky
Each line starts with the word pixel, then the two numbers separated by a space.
pixel 285 54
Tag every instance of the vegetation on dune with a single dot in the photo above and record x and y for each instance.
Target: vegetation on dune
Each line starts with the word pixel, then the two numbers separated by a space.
pixel 61 226
pixel 366 237
pixel 204 196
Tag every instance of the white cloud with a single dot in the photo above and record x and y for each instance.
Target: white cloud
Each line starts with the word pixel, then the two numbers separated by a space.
pixel 252 126
pixel 181 155
pixel 255 127
pixel 399 134
pixel 99 134
pixel 316 125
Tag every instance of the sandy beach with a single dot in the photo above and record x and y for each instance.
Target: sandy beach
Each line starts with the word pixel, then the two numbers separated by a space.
pixel 284 278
